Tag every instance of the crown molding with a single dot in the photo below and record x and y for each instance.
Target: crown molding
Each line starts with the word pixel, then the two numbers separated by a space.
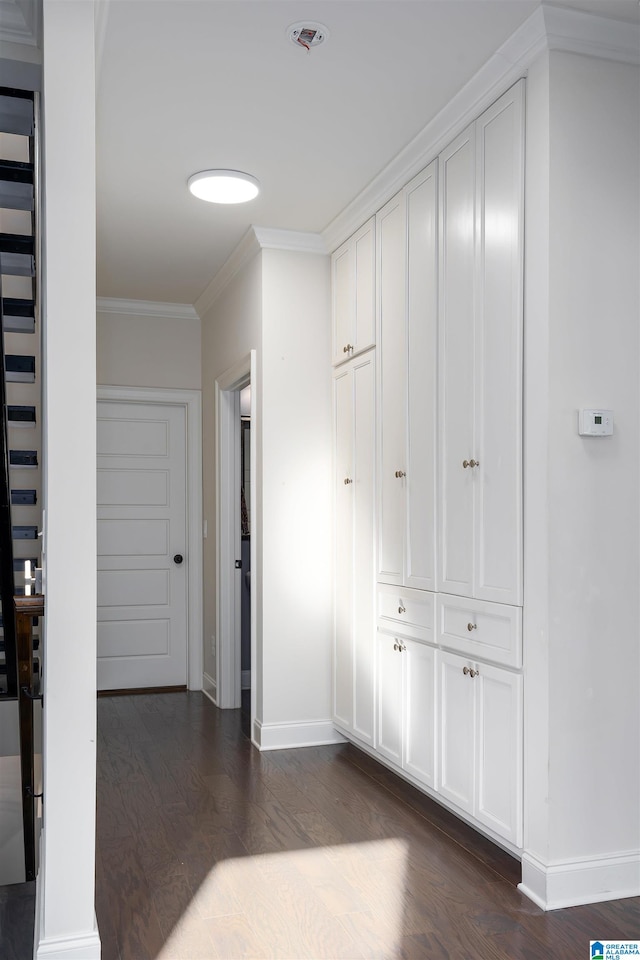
pixel 255 240
pixel 243 253
pixel 146 308
pixel 271 238
pixel 20 22
pixel 548 28
pixel 574 31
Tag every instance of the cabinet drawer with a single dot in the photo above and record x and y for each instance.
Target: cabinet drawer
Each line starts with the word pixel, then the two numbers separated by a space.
pixel 407 612
pixel 477 628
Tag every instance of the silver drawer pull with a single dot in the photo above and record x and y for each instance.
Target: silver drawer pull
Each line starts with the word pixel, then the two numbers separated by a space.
pixel 474 673
pixel 401 609
pixel 466 671
pixel 472 626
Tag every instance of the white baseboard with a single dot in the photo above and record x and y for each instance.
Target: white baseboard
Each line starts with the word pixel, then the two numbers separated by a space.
pixel 307 733
pixel 79 946
pixel 570 883
pixel 82 947
pixel 209 688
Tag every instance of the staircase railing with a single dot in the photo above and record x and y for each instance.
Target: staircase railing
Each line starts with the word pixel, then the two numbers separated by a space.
pixel 7 588
pixel 26 608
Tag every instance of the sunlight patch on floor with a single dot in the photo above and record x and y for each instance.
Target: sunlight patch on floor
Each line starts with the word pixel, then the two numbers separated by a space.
pixel 344 901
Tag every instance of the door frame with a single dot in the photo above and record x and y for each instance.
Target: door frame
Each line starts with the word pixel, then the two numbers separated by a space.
pixel 191 402
pixel 228 579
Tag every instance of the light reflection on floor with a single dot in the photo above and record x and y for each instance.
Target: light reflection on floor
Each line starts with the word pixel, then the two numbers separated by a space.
pixel 331 902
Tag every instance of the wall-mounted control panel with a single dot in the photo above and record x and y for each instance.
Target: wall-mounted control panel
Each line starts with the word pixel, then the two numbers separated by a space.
pixel 595 423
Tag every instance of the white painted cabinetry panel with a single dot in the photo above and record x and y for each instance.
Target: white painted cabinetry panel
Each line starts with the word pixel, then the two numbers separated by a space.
pixel 406 234
pixel 477 628
pixel 392 414
pixel 406 710
pixel 353 294
pixel 481 743
pixel 354 628
pixel 480 354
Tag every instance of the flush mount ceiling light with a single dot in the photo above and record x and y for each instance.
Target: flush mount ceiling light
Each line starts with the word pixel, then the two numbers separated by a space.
pixel 223 186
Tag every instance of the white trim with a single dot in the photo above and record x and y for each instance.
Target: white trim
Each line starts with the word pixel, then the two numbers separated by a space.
pixel 192 402
pixel 146 308
pixel 575 31
pixel 569 883
pixel 546 29
pixel 255 240
pixel 271 238
pixel 305 733
pixel 243 253
pixel 20 22
pixel 228 581
pixel 209 688
pixel 80 946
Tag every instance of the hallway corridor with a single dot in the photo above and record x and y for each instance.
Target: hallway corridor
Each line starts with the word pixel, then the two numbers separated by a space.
pixel 210 850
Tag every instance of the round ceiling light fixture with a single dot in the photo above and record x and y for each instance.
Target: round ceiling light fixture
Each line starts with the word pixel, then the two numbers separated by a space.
pixel 223 186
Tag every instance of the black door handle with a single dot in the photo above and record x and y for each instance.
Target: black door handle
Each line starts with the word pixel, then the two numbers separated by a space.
pixel 178 558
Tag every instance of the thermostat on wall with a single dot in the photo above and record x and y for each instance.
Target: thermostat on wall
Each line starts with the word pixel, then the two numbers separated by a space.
pixel 595 423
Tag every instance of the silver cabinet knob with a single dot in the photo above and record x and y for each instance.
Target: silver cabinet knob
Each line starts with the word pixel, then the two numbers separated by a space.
pixel 400 474
pixel 470 463
pixel 474 673
pixel 466 671
pixel 347 480
pixel 348 348
pixel 472 626
pixel 401 608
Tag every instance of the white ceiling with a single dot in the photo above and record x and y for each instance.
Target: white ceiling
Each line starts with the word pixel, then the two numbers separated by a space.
pixel 188 84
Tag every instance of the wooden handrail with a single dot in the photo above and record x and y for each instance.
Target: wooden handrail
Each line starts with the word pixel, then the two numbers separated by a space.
pixel 26 608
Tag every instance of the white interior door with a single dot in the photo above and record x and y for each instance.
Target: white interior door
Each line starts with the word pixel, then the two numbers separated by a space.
pixel 142 548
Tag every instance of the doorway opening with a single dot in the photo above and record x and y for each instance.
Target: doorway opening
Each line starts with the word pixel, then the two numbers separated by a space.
pixel 236 674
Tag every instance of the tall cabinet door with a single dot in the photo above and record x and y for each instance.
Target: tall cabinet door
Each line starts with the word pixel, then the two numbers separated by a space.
pixel 391 280
pixel 421 386
pixel 344 514
pixel 353 291
pixel 498 382
pixel 354 637
pixel 481 305
pixel 363 546
pixel 456 354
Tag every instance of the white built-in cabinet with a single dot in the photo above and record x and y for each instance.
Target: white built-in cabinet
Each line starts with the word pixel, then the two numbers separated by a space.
pixel 354 628
pixel 481 742
pixel 406 266
pixel 480 356
pixel 428 652
pixel 407 682
pixel 353 294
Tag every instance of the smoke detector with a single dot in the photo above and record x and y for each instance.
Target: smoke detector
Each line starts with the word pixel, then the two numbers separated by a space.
pixel 307 33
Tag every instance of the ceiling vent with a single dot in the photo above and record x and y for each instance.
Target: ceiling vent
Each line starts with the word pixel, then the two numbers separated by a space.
pixel 307 34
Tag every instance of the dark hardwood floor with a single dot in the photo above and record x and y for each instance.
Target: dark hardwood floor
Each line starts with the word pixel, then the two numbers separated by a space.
pixel 17 915
pixel 210 850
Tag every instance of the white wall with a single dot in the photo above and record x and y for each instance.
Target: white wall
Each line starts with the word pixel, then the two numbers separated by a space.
pixel 296 490
pixel 279 304
pixel 593 484
pixel 231 328
pixel 582 727
pixel 65 919
pixel 143 351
